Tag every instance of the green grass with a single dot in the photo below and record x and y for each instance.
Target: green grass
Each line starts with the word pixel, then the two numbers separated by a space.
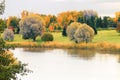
pixel 59 38
pixel 105 40
pixel 110 36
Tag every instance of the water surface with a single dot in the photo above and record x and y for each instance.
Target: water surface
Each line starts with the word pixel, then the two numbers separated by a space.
pixel 71 64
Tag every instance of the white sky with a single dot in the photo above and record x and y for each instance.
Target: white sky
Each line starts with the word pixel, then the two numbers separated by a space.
pixel 103 7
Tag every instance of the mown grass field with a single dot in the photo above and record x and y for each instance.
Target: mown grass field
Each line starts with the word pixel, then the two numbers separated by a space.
pixel 110 36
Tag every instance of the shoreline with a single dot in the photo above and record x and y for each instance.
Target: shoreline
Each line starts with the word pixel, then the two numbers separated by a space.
pixel 101 46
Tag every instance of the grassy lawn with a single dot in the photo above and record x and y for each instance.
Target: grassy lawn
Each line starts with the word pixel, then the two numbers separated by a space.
pixel 103 36
pixel 57 37
pixel 107 36
pixel 107 40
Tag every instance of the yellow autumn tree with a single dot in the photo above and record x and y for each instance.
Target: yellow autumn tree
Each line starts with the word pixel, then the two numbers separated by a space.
pixel 24 13
pixel 117 14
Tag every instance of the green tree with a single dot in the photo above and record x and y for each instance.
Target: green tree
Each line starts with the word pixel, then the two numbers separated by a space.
pixel 2 7
pixel 89 17
pixel 9 65
pixel 105 22
pixel 2 25
pixel 64 30
pixel 98 22
pixel 80 19
pixel 13 22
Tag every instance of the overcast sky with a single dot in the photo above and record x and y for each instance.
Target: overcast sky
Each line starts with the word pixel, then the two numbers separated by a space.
pixel 103 7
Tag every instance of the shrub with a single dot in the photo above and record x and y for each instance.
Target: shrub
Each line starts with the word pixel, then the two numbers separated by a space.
pixel 84 34
pixel 72 29
pixel 80 32
pixel 31 26
pixel 47 37
pixel 8 35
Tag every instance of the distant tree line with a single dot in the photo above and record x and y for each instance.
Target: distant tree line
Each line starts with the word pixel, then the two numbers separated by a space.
pixel 60 22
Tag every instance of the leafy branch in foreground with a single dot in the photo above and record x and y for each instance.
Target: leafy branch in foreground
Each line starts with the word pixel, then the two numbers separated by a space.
pixel 9 65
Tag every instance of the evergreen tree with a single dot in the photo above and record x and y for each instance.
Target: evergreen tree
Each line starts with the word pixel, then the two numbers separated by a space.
pixel 64 31
pixel 80 19
pixel 105 22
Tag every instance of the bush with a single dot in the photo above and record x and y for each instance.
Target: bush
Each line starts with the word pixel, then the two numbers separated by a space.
pixel 8 35
pixel 80 32
pixel 47 37
pixel 72 29
pixel 31 26
pixel 84 34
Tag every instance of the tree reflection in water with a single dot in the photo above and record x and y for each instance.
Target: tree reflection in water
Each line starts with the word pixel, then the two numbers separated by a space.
pixel 90 54
pixel 37 49
pixel 83 54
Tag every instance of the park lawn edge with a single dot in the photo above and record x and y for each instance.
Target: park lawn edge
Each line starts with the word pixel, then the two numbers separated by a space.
pixel 105 40
pixel 101 46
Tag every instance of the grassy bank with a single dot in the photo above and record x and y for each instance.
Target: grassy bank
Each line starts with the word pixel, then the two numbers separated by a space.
pixel 107 40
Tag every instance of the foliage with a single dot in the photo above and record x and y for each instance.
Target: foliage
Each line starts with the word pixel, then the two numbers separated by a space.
pixel 66 17
pixel 9 65
pixel 31 26
pixel 117 16
pixel 51 28
pixel 14 23
pixel 8 35
pixel 118 27
pixel 84 34
pixel 80 32
pixel 72 29
pixel 47 37
pixel 2 25
pixel 24 13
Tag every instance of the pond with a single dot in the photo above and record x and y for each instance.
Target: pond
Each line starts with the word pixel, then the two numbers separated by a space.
pixel 69 64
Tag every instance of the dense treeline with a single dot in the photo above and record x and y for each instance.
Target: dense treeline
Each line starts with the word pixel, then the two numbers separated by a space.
pixel 56 23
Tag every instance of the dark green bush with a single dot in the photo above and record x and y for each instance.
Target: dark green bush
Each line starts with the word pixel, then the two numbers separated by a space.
pixel 47 37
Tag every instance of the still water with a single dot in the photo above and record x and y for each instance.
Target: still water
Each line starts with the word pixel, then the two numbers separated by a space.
pixel 70 64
